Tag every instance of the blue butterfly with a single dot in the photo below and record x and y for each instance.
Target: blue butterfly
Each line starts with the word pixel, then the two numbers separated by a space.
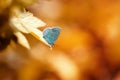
pixel 51 34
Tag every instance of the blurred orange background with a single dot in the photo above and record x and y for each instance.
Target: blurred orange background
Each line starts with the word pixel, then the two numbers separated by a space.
pixel 88 47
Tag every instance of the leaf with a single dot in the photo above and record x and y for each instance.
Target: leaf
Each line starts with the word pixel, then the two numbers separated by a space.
pixel 29 20
pixel 25 19
pixel 22 40
pixel 17 26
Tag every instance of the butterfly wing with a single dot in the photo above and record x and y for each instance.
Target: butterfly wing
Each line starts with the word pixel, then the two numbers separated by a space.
pixel 51 34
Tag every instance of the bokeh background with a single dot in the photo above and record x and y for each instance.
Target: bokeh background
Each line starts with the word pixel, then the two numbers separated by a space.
pixel 88 47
